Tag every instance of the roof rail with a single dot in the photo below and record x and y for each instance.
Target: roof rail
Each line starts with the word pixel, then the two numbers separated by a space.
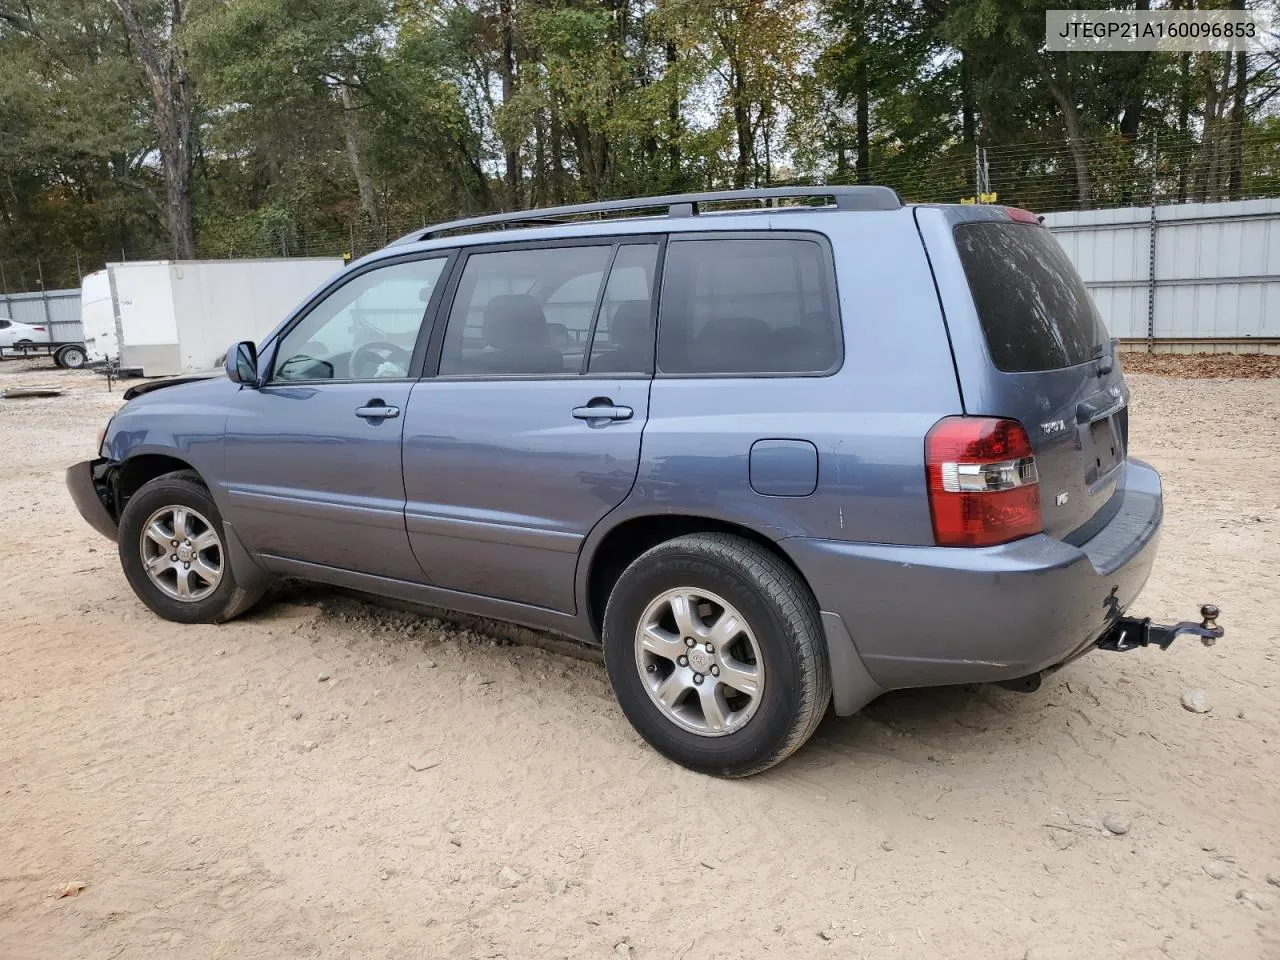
pixel 677 205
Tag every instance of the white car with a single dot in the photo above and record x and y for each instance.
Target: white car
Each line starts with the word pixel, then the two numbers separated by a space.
pixel 13 333
pixel 28 339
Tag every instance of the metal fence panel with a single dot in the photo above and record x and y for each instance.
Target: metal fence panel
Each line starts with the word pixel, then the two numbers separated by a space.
pixel 1206 274
pixel 59 310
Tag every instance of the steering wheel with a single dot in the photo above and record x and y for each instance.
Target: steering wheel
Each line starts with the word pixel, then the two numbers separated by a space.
pixel 368 357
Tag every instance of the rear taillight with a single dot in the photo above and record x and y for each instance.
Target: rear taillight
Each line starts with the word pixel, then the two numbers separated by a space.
pixel 38 329
pixel 983 487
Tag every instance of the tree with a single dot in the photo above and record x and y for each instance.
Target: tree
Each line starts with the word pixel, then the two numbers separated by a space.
pixel 145 128
pixel 155 33
pixel 754 49
pixel 76 175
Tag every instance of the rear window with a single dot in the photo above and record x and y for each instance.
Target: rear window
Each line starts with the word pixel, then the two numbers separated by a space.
pixel 1036 312
pixel 747 307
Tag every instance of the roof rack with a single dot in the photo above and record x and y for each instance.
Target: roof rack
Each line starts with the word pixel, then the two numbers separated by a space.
pixel 677 205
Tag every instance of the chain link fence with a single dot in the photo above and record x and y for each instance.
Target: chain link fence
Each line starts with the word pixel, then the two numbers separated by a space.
pixel 1042 176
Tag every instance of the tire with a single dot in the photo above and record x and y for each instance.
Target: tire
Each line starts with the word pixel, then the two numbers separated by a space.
pixel 71 358
pixel 210 599
pixel 780 647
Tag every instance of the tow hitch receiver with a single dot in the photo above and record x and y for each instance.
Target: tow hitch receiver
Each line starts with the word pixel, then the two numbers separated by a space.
pixel 1129 633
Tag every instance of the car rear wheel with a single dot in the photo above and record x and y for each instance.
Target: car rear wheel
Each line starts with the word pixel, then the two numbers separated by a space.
pixel 174 553
pixel 715 651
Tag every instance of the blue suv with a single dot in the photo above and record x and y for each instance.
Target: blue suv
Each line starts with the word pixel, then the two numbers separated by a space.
pixel 771 458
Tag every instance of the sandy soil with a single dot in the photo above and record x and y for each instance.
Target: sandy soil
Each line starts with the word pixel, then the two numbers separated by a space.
pixel 218 799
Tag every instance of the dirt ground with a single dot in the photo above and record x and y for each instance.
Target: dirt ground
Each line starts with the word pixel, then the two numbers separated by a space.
pixel 217 797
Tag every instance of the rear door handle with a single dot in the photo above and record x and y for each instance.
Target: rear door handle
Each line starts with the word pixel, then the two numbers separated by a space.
pixel 601 408
pixel 377 410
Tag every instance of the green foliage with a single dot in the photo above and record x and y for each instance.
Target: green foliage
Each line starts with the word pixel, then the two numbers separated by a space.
pixel 324 126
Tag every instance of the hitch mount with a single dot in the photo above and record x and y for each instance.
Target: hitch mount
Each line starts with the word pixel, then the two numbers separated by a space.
pixel 1130 633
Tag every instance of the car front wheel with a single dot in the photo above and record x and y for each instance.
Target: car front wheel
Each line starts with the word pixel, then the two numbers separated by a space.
pixel 715 651
pixel 174 553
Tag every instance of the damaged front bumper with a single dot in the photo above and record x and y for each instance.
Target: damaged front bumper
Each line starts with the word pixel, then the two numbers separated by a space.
pixel 87 482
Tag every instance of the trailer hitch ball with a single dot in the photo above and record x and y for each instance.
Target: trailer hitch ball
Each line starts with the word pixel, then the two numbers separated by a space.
pixel 1209 621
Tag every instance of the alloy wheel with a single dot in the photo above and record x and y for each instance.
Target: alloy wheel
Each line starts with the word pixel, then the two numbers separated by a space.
pixel 182 553
pixel 699 661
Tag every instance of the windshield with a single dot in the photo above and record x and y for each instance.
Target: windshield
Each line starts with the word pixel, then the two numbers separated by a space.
pixel 1036 312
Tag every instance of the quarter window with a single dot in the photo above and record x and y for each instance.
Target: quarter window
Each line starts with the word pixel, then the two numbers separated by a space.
pixel 365 330
pixel 747 307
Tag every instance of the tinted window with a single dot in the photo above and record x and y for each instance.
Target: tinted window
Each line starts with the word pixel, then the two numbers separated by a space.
pixel 747 307
pixel 623 341
pixel 524 311
pixel 364 330
pixel 1036 312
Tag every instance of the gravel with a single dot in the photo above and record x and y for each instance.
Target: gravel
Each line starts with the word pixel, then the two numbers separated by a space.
pixel 1203 366
pixel 101 739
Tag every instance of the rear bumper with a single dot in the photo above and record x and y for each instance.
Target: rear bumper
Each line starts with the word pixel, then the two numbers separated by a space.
pixel 926 616
pixel 86 482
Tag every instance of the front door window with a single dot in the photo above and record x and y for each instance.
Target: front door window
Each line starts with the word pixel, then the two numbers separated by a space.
pixel 365 330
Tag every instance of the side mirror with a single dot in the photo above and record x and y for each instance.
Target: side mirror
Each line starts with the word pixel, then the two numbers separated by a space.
pixel 242 363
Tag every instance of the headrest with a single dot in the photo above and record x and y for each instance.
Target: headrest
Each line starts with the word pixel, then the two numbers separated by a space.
pixel 514 320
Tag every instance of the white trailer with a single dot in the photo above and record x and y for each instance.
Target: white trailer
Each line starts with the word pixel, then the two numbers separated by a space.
pixel 163 317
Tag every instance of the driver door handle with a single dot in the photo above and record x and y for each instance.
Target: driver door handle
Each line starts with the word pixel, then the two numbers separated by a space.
pixel 602 408
pixel 377 410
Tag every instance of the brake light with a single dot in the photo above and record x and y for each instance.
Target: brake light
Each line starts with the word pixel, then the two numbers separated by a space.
pixel 1019 215
pixel 38 329
pixel 982 480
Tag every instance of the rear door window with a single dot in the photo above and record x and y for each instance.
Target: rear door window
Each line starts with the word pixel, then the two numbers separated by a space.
pixel 748 307
pixel 1035 311
pixel 551 311
pixel 524 312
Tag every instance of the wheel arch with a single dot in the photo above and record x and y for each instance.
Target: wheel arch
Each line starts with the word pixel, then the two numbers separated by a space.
pixel 611 551
pixel 143 468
